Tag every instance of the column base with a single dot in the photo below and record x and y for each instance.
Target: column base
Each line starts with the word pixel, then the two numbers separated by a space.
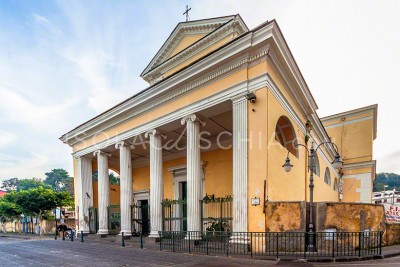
pixel 239 240
pixel 102 232
pixel 126 233
pixel 85 232
pixel 193 236
pixel 154 234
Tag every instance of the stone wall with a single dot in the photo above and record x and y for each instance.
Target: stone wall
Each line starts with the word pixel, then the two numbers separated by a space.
pixel 48 227
pixel 392 234
pixel 285 216
pixel 344 217
pixel 349 217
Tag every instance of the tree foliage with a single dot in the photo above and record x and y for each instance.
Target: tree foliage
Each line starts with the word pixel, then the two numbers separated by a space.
pixel 392 180
pixel 15 184
pixel 113 179
pixel 35 202
pixel 9 211
pixel 60 180
pixel 10 184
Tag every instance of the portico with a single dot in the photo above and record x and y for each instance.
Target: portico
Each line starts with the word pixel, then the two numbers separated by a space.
pixel 146 158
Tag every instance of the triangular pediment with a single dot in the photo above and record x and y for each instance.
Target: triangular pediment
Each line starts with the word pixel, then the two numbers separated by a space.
pixel 186 35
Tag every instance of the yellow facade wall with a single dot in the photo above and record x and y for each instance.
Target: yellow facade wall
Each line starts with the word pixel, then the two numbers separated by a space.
pixel 114 194
pixel 217 172
pixel 355 140
pixel 185 42
pixel 197 56
pixel 218 176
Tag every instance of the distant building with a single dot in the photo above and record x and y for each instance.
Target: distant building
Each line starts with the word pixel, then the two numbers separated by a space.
pixel 2 193
pixel 388 196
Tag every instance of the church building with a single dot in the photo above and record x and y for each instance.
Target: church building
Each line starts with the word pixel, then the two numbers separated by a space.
pixel 206 141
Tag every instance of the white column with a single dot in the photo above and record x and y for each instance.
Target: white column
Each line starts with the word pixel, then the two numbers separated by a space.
pixel 193 171
pixel 104 190
pixel 156 182
pixel 126 190
pixel 240 200
pixel 84 192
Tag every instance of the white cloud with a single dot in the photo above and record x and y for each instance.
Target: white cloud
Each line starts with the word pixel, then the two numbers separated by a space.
pixel 45 23
pixel 6 138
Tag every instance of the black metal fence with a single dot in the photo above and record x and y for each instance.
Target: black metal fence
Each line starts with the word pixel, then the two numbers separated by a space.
pixel 93 220
pixel 174 215
pixel 216 213
pixel 140 219
pixel 274 244
pixel 114 219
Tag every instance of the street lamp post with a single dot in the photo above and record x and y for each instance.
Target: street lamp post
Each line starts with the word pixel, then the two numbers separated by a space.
pixel 337 164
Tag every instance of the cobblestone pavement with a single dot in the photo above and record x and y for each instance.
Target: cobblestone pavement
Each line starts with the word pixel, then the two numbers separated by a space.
pixel 18 252
pixel 47 252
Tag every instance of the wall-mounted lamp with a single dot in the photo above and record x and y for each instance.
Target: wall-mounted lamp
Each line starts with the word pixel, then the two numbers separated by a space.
pixel 251 96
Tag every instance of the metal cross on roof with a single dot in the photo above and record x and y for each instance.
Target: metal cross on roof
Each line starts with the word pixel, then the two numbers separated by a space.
pixel 187 13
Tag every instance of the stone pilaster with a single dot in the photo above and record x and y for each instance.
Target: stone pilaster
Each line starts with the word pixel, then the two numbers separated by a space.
pixel 240 186
pixel 126 190
pixel 104 190
pixel 156 182
pixel 84 192
pixel 194 196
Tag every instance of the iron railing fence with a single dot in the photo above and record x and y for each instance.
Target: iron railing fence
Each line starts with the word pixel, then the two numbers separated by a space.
pixel 216 213
pixel 93 221
pixel 114 219
pixel 274 244
pixel 174 215
pixel 140 219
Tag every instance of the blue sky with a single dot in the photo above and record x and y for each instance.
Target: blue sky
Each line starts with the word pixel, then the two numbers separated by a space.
pixel 63 62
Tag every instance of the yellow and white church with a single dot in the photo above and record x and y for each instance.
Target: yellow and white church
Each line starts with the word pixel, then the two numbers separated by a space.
pixel 208 137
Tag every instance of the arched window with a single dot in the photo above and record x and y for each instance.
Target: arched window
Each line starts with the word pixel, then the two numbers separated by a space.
pixel 327 177
pixel 285 134
pixel 335 185
pixel 316 169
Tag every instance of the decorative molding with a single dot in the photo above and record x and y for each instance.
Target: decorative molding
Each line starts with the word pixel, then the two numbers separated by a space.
pixel 194 27
pixel 154 132
pixel 155 73
pixel 358 165
pixel 349 122
pixel 172 95
pixel 100 152
pixel 193 118
pixel 121 144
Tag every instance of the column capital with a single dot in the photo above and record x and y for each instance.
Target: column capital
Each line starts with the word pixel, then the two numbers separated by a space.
pixel 193 118
pixel 155 132
pixel 238 98
pixel 100 152
pixel 121 144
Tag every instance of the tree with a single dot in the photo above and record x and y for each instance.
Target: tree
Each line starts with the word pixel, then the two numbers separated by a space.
pixel 59 180
pixel 391 180
pixel 9 211
pixel 15 184
pixel 26 184
pixel 37 201
pixel 113 179
pixel 10 184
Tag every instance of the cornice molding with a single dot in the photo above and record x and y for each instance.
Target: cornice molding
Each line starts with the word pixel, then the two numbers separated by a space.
pixel 200 26
pixel 180 91
pixel 227 94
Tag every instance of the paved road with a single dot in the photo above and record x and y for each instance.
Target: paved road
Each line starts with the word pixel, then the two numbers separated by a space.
pixel 19 252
